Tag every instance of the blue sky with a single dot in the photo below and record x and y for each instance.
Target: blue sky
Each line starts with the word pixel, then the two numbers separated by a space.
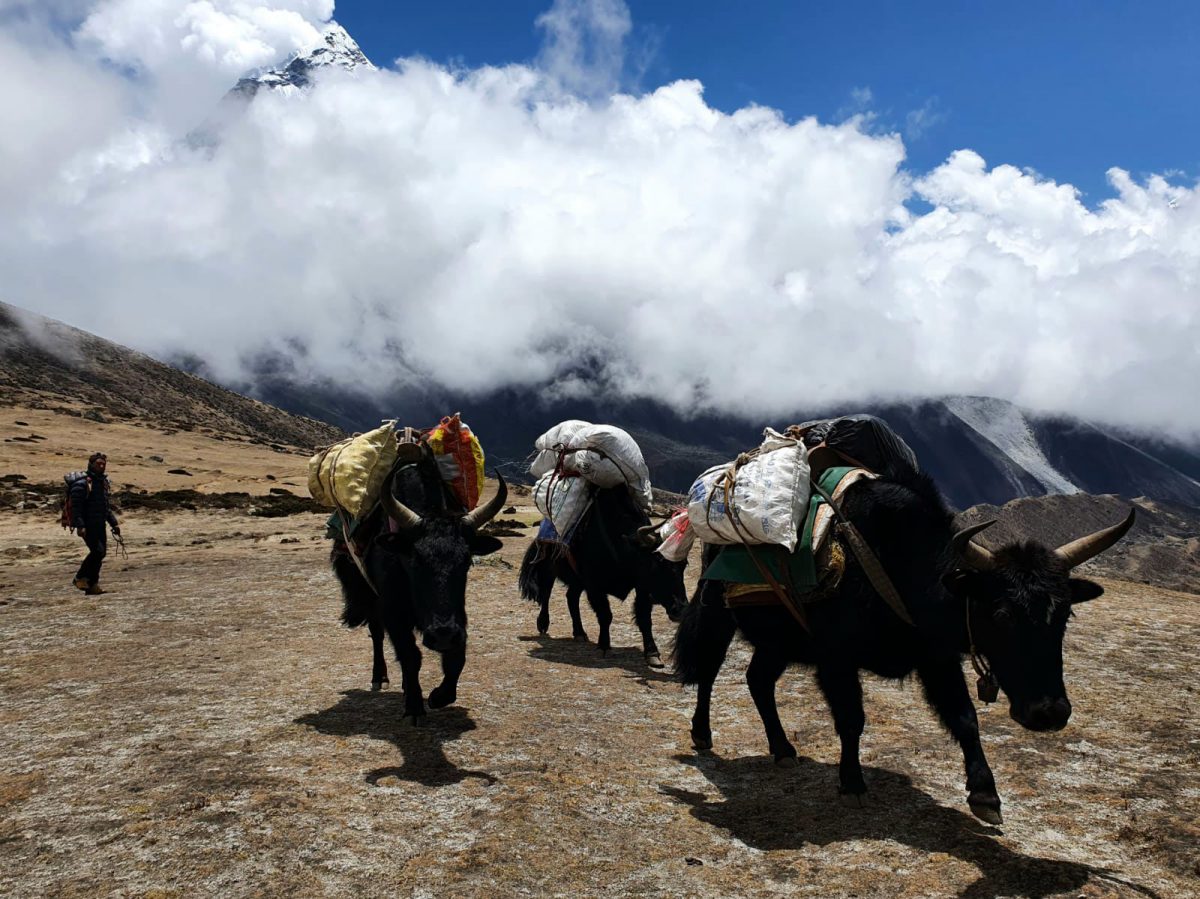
pixel 1066 88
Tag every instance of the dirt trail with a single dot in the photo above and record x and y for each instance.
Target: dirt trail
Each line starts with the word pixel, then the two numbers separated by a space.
pixel 205 729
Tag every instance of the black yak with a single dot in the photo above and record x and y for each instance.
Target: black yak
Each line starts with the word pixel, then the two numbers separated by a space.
pixel 419 548
pixel 1008 608
pixel 610 553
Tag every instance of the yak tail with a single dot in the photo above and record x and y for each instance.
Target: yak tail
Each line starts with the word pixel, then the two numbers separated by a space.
pixel 537 572
pixel 703 637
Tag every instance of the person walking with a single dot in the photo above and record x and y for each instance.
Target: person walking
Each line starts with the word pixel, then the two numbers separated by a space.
pixel 90 512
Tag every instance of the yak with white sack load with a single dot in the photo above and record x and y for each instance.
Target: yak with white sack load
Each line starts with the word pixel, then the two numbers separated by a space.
pixel 594 489
pixel 761 497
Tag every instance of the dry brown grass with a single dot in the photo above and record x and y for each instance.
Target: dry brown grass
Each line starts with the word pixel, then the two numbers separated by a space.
pixel 213 465
pixel 205 730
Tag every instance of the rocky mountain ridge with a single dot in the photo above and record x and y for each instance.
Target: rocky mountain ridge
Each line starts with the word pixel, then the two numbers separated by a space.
pixel 47 364
pixel 1162 548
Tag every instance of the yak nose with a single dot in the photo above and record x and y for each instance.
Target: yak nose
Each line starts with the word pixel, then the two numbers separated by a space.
pixel 444 635
pixel 1048 714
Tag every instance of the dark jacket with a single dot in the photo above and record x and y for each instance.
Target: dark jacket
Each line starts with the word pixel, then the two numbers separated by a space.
pixel 89 503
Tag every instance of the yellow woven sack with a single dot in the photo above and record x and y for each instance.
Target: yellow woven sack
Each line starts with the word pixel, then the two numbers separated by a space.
pixel 350 474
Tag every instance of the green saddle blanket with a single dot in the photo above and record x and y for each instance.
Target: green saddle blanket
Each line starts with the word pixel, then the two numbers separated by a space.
pixel 798 568
pixel 333 526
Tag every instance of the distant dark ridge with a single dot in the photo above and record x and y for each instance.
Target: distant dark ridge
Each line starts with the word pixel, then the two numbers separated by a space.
pixel 967 467
pixel 42 359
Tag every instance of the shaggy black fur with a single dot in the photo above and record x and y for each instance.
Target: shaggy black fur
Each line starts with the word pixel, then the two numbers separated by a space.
pixel 1017 615
pixel 604 559
pixel 417 583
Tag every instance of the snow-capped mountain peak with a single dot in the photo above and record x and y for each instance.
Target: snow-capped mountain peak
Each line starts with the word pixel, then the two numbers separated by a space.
pixel 336 48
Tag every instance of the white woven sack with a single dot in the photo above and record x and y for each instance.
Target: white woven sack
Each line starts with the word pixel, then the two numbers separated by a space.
pixel 770 496
pixel 562 500
pixel 559 435
pixel 677 537
pixel 608 456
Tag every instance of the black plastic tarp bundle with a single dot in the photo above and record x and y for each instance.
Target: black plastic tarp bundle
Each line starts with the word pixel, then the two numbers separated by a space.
pixel 862 438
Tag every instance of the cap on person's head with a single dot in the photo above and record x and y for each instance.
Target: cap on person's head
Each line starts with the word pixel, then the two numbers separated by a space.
pixel 94 456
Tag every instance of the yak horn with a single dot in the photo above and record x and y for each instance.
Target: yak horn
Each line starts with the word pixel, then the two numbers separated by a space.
pixel 1079 551
pixel 483 514
pixel 648 535
pixel 972 553
pixel 406 519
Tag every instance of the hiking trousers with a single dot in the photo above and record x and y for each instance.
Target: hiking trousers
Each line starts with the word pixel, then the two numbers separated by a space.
pixel 97 544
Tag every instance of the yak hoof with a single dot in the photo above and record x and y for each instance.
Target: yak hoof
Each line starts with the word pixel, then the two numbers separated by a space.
pixel 376 686
pixel 786 761
pixel 439 698
pixel 415 720
pixel 988 813
pixel 702 743
pixel 853 800
pixel 580 637
pixel 654 660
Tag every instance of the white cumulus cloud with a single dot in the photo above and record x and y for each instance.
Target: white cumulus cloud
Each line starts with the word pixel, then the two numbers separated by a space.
pixel 506 226
pixel 53 105
pixel 584 50
pixel 190 51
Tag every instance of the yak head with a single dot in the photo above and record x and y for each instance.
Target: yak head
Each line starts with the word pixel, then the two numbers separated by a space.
pixel 1018 600
pixel 659 578
pixel 432 553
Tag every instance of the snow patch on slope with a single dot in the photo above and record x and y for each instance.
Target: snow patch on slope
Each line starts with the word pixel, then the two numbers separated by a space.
pixel 1002 424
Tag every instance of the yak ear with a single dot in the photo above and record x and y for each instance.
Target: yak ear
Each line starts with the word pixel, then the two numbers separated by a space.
pixel 483 544
pixel 960 581
pixel 1083 591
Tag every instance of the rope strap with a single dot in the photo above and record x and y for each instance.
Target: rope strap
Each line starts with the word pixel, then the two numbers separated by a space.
pixel 785 594
pixel 870 562
pixel 358 562
pixel 987 686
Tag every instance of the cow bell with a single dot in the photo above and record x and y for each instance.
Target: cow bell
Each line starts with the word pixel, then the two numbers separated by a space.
pixel 987 688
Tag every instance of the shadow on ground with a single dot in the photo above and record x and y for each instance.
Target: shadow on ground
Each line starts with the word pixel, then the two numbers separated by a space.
pixel 770 808
pixel 380 716
pixel 568 651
